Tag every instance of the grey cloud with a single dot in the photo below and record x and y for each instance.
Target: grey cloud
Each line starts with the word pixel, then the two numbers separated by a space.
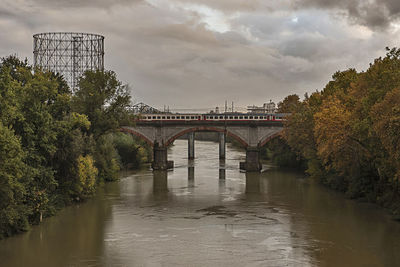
pixel 6 14
pixel 169 57
pixel 376 14
pixel 228 5
pixel 81 3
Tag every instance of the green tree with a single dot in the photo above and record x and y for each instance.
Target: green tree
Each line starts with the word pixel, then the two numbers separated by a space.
pixel 13 210
pixel 106 103
pixel 104 100
pixel 107 159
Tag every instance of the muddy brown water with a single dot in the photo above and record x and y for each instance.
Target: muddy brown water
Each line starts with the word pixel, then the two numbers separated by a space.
pixel 191 217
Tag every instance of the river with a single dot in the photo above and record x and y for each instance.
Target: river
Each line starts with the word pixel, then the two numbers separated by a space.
pixel 191 217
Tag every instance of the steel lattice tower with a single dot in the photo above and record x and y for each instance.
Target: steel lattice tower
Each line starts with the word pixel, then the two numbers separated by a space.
pixel 68 53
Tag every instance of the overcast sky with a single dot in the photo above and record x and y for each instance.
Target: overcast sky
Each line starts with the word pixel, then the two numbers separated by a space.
pixel 199 53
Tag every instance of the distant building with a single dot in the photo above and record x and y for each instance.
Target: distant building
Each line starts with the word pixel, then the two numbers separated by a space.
pixel 266 108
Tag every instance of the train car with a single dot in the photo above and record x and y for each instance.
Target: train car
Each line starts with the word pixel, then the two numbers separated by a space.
pixel 212 117
pixel 170 117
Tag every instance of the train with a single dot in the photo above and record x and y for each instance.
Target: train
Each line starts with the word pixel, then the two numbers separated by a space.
pixel 213 117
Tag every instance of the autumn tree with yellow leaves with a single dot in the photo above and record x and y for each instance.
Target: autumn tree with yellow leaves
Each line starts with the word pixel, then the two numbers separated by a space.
pixel 349 132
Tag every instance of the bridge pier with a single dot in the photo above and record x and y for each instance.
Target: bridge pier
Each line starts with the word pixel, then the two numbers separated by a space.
pixel 191 145
pixel 160 158
pixel 252 163
pixel 222 146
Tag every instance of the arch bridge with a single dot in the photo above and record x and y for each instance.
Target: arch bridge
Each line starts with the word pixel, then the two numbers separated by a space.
pixel 251 134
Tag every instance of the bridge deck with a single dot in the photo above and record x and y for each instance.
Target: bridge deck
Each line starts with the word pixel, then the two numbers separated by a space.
pixel 209 123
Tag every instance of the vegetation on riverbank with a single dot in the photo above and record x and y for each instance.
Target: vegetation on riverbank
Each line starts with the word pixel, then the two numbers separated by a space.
pixel 348 134
pixel 55 146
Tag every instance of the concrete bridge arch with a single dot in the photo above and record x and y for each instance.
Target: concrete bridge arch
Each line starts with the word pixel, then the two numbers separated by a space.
pixel 251 135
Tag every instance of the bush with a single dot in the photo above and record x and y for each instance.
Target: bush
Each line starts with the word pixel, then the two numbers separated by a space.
pixel 87 174
pixel 107 159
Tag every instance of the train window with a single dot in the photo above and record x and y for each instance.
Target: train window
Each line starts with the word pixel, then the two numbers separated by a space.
pixel 230 117
pixel 154 117
pixel 158 117
pixel 251 117
pixel 236 117
pixel 192 117
pixel 246 117
pixel 163 117
pixel 173 117
pixel 187 117
pixel 168 117
pixel 241 118
pixel 221 117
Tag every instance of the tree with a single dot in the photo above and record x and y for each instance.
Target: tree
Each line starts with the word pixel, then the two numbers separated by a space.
pixel 104 100
pixel 289 104
pixel 13 211
pixel 386 124
pixel 87 174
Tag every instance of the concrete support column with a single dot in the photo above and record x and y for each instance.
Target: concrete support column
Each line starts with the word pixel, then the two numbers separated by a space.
pixel 252 163
pixel 160 158
pixel 191 145
pixel 222 146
